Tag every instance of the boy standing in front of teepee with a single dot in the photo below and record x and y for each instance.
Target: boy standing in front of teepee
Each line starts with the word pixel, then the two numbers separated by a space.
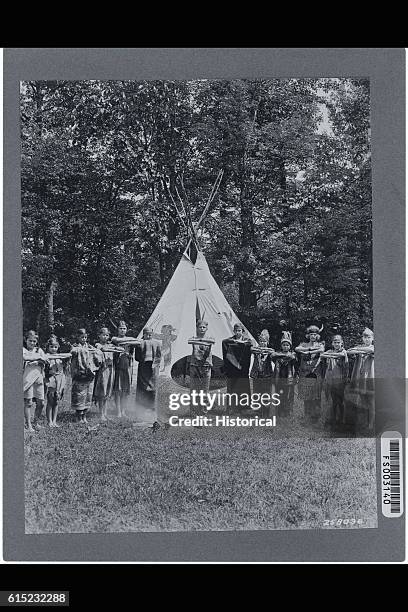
pixel 200 364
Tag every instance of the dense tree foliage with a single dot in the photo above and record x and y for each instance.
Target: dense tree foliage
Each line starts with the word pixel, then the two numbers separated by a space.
pixel 114 172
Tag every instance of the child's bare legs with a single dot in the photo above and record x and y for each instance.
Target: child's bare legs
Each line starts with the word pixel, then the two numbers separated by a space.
pixel 102 409
pixel 120 403
pixel 39 405
pixel 27 414
pixel 81 416
pixel 51 400
pixel 54 412
pixel 371 411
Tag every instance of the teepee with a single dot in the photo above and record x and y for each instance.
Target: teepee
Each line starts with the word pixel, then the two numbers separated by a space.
pixel 191 294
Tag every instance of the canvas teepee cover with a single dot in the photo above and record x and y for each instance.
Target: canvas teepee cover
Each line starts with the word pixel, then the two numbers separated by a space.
pixel 192 293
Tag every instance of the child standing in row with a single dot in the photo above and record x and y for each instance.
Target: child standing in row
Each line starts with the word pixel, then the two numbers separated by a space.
pixel 285 374
pixel 200 363
pixel 123 363
pixel 33 379
pixel 84 363
pixel 104 377
pixel 236 354
pixel 262 370
pixel 335 379
pixel 55 378
pixel 310 372
pixel 361 392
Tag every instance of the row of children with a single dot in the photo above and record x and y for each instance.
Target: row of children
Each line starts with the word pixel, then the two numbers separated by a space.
pixel 98 372
pixel 104 370
pixel 309 363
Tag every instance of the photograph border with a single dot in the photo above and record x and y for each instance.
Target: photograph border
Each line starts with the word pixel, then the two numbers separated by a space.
pixel 386 70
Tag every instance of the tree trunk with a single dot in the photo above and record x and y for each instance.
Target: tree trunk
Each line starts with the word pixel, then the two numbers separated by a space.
pixel 288 310
pixel 162 271
pixel 50 307
pixel 38 321
pixel 247 294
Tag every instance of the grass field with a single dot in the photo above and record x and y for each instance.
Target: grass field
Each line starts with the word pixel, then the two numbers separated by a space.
pixel 115 477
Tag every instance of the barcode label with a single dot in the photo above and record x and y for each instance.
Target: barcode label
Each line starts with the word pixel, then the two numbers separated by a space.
pixel 391 474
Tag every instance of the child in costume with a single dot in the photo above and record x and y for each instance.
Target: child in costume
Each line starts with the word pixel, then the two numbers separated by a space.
pixel 361 391
pixel 286 370
pixel 200 363
pixel 122 365
pixel 236 353
pixel 84 362
pixel 310 372
pixel 55 378
pixel 335 379
pixel 262 371
pixel 148 354
pixel 103 385
pixel 34 362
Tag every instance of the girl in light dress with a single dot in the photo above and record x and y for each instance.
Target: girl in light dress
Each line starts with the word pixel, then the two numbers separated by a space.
pixel 34 362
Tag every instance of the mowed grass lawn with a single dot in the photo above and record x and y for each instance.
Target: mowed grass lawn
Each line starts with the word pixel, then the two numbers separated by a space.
pixel 116 477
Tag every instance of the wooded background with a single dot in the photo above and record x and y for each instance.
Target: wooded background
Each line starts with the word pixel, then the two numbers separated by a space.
pixel 288 235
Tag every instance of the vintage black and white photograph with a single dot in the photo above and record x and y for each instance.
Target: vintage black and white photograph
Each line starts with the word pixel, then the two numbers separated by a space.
pixel 197 292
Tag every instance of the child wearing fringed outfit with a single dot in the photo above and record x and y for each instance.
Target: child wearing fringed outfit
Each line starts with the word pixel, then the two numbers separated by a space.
pixel 335 379
pixel 122 365
pixel 262 371
pixel 286 371
pixel 361 391
pixel 310 372
pixel 200 364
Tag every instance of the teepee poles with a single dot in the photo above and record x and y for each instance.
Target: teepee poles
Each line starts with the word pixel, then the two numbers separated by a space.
pixel 207 206
pixel 189 220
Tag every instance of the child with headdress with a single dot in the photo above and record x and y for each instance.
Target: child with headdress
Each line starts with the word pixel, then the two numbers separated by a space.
pixel 55 378
pixel 361 391
pixel 310 372
pixel 335 379
pixel 34 362
pixel 262 370
pixel 285 374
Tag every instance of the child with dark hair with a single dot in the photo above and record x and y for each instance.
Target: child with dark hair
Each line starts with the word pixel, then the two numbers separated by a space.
pixel 201 361
pixel 103 385
pixel 236 354
pixel 286 370
pixel 122 365
pixel 84 362
pixel 55 378
pixel 361 391
pixel 148 354
pixel 262 371
pixel 310 372
pixel 335 379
